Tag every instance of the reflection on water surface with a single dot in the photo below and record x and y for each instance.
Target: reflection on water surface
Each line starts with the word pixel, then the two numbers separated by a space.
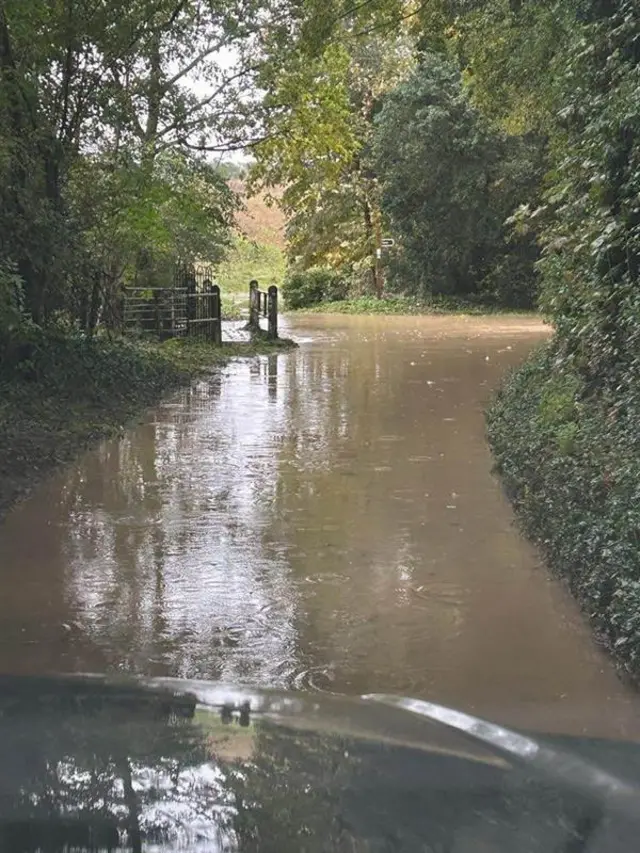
pixel 324 519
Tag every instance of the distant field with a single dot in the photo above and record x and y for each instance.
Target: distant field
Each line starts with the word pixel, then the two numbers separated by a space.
pixel 258 248
pixel 260 222
pixel 248 260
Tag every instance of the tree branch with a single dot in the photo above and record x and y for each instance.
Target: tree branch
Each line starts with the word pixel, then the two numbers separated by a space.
pixel 137 127
pixel 174 15
pixel 68 69
pixel 208 100
pixel 235 145
pixel 191 65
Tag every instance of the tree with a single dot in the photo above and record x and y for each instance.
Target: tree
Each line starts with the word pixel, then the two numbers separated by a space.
pixel 508 50
pixel 123 84
pixel 448 185
pixel 318 148
pixel 137 226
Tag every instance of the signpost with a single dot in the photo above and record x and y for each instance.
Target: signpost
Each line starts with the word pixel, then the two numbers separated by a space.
pixel 378 273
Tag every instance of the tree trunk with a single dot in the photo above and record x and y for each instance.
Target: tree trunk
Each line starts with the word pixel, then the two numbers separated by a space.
pixel 374 239
pixel 154 101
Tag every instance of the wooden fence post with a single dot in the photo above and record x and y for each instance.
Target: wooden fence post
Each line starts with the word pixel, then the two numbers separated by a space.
pixel 254 306
pixel 272 312
pixel 216 315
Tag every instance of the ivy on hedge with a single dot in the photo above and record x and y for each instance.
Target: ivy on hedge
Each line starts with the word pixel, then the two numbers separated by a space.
pixel 570 462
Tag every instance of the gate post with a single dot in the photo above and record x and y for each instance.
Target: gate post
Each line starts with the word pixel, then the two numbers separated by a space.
pixel 216 315
pixel 272 312
pixel 254 306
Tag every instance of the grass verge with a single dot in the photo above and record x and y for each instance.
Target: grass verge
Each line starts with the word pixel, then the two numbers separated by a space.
pixel 405 305
pixel 570 463
pixel 64 392
pixel 248 259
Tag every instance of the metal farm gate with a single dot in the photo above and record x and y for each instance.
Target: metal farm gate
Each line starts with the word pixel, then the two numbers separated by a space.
pixel 190 307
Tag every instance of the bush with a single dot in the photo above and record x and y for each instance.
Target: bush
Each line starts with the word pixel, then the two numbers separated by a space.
pixel 570 462
pixel 511 282
pixel 310 287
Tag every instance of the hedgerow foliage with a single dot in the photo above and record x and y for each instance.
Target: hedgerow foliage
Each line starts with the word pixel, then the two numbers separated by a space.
pixel 571 465
pixel 304 288
pixel 592 258
pixel 566 429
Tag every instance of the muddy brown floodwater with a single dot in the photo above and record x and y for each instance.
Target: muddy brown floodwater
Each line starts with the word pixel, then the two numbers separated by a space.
pixel 324 520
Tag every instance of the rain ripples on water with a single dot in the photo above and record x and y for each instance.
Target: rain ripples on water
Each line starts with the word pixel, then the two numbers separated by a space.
pixel 324 520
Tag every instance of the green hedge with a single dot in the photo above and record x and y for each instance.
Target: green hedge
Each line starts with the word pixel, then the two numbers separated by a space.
pixel 571 465
pixel 304 288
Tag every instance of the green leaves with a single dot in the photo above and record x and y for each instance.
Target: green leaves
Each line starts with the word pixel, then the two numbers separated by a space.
pixel 309 126
pixel 312 287
pixel 570 463
pixel 319 125
pixel 11 307
pixel 592 235
pixel 102 110
pixel 449 182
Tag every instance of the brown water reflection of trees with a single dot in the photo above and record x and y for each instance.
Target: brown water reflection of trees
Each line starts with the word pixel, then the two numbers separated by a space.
pixel 374 436
pixel 162 537
pixel 218 499
pixel 269 525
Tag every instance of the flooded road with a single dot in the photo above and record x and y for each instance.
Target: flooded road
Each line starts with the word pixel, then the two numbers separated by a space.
pixel 325 520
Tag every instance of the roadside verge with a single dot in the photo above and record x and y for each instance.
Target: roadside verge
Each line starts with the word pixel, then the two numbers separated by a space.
pixel 570 463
